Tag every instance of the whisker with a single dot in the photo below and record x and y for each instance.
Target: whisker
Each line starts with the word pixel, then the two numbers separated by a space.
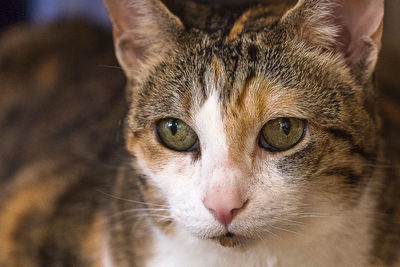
pixel 137 217
pixel 286 230
pixel 152 215
pixel 272 233
pixel 313 216
pixel 291 221
pixel 136 210
pixel 109 66
pixel 306 214
pixel 132 201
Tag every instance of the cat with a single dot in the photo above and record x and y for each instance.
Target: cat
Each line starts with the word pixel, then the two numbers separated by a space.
pixel 253 136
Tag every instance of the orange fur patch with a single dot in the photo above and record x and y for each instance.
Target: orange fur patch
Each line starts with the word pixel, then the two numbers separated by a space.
pixel 36 187
pixel 144 146
pixel 258 102
pixel 92 246
pixel 239 25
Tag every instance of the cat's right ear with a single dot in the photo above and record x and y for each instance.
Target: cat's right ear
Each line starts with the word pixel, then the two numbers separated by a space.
pixel 145 32
pixel 352 28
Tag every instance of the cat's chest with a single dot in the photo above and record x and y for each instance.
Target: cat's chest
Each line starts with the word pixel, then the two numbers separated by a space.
pixel 318 249
pixel 185 251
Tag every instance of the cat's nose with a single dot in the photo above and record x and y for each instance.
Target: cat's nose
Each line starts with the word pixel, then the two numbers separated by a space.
pixel 224 204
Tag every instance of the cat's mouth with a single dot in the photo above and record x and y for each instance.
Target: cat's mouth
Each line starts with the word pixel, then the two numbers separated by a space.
pixel 230 240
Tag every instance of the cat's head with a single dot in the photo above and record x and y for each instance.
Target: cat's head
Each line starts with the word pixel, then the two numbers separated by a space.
pixel 258 123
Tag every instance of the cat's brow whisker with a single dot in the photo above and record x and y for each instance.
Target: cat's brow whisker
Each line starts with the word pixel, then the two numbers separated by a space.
pixel 109 66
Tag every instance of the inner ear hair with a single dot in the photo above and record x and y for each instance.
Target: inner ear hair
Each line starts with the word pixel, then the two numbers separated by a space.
pixel 352 28
pixel 145 33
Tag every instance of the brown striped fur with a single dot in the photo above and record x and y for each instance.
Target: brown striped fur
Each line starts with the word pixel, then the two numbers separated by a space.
pixel 70 196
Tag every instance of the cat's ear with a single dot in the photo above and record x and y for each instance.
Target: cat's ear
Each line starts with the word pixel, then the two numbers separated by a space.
pixel 350 27
pixel 145 31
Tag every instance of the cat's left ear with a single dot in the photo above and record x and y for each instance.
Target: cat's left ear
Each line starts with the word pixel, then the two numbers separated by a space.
pixel 145 32
pixel 350 27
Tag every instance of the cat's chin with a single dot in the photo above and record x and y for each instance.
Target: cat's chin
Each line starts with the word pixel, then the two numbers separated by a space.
pixel 232 240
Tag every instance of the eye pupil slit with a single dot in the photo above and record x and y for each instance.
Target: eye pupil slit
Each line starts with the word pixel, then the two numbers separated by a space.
pixel 173 126
pixel 285 125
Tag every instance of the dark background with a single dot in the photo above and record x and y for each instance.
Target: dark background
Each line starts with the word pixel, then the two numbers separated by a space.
pixel 12 12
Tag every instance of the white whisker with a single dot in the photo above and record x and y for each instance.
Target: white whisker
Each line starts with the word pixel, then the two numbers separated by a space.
pixel 132 201
pixel 285 230
pixel 136 210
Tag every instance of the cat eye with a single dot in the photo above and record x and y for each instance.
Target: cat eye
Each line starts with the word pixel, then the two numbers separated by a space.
pixel 282 134
pixel 177 135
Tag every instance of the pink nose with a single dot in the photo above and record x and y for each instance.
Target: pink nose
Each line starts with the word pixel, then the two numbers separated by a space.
pixel 224 205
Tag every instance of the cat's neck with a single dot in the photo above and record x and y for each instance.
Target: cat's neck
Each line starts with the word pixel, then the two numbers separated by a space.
pixel 305 249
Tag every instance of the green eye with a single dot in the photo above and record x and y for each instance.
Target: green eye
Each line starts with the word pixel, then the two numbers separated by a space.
pixel 282 134
pixel 176 135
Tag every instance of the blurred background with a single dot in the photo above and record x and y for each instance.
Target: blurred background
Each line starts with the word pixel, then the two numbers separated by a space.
pixel 45 11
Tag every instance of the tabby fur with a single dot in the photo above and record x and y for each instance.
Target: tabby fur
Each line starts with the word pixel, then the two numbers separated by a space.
pixel 225 71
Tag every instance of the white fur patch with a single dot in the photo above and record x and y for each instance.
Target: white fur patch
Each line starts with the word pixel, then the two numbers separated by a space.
pixel 211 131
pixel 314 247
pixel 106 255
pixel 186 250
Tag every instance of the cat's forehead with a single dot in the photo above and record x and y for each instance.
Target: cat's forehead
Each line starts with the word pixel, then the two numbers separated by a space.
pixel 251 80
pixel 254 64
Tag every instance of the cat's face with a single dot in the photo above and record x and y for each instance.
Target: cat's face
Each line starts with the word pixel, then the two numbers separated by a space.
pixel 252 134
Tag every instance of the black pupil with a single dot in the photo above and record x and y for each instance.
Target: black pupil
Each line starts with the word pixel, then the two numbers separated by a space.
pixel 285 125
pixel 173 126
